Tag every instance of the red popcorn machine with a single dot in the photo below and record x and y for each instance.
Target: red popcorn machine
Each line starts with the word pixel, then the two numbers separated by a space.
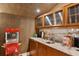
pixel 11 45
pixel 11 35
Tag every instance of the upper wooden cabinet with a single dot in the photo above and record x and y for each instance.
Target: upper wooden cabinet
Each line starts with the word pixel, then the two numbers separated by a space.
pixel 65 15
pixel 55 19
pixel 38 22
pixel 72 14
pixel 49 20
pixel 58 17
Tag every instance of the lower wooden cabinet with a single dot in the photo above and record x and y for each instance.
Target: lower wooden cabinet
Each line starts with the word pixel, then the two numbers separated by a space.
pixel 42 49
pixel 33 48
pixel 54 52
pixel 39 49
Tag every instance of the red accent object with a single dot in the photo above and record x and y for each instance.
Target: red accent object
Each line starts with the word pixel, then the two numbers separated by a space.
pixel 11 30
pixel 12 49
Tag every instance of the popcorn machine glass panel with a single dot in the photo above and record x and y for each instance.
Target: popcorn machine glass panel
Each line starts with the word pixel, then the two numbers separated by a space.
pixel 12 36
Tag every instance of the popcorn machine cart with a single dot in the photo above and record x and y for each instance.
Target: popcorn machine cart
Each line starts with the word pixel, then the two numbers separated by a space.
pixel 11 45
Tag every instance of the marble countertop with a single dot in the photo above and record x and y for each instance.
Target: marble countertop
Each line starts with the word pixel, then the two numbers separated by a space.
pixel 70 51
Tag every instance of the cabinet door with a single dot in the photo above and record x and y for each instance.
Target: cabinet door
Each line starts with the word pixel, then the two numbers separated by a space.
pixel 33 47
pixel 77 13
pixel 73 14
pixel 58 16
pixel 54 52
pixel 42 49
pixel 49 20
pixel 38 22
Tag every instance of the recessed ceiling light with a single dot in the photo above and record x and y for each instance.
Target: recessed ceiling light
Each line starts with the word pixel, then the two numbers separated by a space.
pixel 37 10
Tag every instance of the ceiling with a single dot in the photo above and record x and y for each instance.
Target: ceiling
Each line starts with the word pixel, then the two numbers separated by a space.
pixel 25 9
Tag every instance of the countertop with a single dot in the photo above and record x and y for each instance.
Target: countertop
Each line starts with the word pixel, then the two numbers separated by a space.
pixel 70 51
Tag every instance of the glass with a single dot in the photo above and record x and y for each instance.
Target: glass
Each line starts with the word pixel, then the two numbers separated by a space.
pixel 11 36
pixel 72 10
pixel 78 18
pixel 72 14
pixel 38 22
pixel 77 8
pixel 49 19
pixel 73 19
pixel 58 17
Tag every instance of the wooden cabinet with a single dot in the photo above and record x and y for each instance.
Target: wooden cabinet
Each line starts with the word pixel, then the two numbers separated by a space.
pixel 33 47
pixel 54 52
pixel 58 16
pixel 38 22
pixel 39 49
pixel 49 20
pixel 72 14
pixel 42 49
pixel 67 15
pixel 54 19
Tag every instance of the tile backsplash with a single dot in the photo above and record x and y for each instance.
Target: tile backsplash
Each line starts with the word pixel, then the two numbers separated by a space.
pixel 59 33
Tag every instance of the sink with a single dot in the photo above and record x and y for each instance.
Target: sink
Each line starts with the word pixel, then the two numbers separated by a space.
pixel 50 42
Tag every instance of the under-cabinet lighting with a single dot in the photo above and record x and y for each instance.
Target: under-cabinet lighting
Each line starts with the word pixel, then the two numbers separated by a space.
pixel 72 29
pixel 77 29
